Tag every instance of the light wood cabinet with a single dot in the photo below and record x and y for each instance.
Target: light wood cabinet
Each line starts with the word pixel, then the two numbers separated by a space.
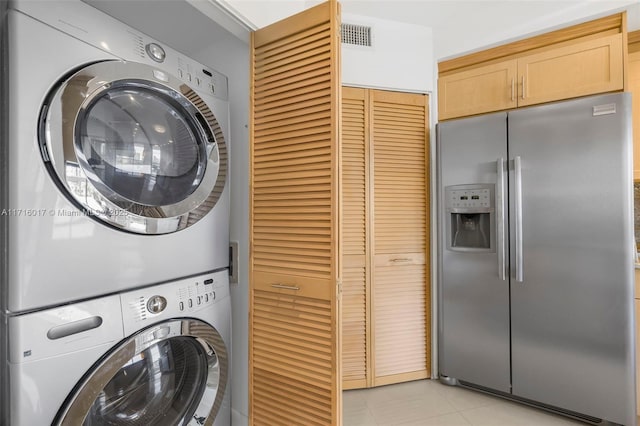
pixel 634 88
pixel 578 61
pixel 386 304
pixel 479 90
pixel 583 68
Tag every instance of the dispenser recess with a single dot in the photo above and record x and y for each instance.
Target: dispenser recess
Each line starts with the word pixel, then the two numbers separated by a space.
pixel 470 217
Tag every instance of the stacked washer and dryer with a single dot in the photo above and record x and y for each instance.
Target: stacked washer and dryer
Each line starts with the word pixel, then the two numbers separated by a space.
pixel 115 225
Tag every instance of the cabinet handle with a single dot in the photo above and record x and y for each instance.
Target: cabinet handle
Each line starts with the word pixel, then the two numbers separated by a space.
pixel 513 87
pixel 401 259
pixel 285 287
pixel 523 92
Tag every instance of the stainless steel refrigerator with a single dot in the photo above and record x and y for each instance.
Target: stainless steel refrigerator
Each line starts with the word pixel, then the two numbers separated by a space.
pixel 536 256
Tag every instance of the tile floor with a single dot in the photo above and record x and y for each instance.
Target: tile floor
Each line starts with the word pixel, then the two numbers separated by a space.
pixel 430 403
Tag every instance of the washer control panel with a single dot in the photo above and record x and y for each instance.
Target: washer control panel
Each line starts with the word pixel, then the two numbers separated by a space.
pixel 195 295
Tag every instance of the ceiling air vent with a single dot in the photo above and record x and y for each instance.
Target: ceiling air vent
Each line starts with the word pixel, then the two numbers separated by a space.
pixel 359 35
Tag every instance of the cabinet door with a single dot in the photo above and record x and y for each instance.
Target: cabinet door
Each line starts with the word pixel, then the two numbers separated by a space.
pixel 579 69
pixel 400 281
pixel 634 87
pixel 479 90
pixel 294 360
pixel 356 264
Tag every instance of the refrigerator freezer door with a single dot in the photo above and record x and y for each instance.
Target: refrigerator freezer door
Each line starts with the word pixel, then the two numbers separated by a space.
pixel 572 298
pixel 474 291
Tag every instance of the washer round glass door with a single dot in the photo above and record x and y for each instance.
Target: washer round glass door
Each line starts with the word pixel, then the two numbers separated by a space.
pixel 173 373
pixel 134 147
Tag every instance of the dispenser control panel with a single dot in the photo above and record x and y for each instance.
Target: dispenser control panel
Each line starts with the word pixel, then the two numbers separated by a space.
pixel 469 198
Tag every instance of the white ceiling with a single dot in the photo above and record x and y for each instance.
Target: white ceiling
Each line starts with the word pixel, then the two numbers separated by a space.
pixel 458 25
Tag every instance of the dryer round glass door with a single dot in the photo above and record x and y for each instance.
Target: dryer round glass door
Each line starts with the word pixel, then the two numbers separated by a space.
pixel 134 147
pixel 173 373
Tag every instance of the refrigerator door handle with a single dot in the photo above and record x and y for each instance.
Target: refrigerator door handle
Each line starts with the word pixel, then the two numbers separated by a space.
pixel 500 222
pixel 518 219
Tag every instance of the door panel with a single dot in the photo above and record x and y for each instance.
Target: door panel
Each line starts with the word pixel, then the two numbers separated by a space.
pixel 356 263
pixel 572 315
pixel 474 299
pixel 400 195
pixel 292 346
pixel 153 153
pixel 566 72
pixel 479 90
pixel 295 368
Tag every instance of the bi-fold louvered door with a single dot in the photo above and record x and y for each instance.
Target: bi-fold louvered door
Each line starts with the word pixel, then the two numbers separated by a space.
pixel 401 298
pixel 295 376
pixel 356 265
pixel 386 304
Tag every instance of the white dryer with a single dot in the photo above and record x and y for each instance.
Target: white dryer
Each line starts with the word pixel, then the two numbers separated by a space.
pixel 153 356
pixel 116 162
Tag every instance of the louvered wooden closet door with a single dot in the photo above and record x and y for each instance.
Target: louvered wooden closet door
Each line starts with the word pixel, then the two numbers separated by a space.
pixel 401 320
pixel 295 376
pixel 356 264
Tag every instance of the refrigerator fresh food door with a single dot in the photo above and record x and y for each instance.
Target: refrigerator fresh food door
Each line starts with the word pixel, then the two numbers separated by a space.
pixel 572 260
pixel 474 285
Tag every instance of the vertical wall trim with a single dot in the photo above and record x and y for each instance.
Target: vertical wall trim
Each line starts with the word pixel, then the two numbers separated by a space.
pixel 4 201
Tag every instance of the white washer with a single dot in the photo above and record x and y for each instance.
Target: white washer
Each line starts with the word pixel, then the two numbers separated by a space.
pixel 157 355
pixel 117 158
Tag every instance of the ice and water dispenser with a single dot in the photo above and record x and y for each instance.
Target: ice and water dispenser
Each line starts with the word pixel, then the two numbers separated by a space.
pixel 470 217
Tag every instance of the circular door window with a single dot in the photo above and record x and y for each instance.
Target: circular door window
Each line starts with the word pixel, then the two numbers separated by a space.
pixel 142 146
pixel 177 379
pixel 134 147
pixel 161 385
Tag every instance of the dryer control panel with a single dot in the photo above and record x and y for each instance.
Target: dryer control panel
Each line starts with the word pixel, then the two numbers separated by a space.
pixel 112 36
pixel 182 298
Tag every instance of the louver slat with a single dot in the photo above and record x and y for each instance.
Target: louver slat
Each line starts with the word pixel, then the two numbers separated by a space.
pixel 401 283
pixel 294 312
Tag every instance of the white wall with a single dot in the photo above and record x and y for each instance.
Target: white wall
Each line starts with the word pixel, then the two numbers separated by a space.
pixel 400 56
